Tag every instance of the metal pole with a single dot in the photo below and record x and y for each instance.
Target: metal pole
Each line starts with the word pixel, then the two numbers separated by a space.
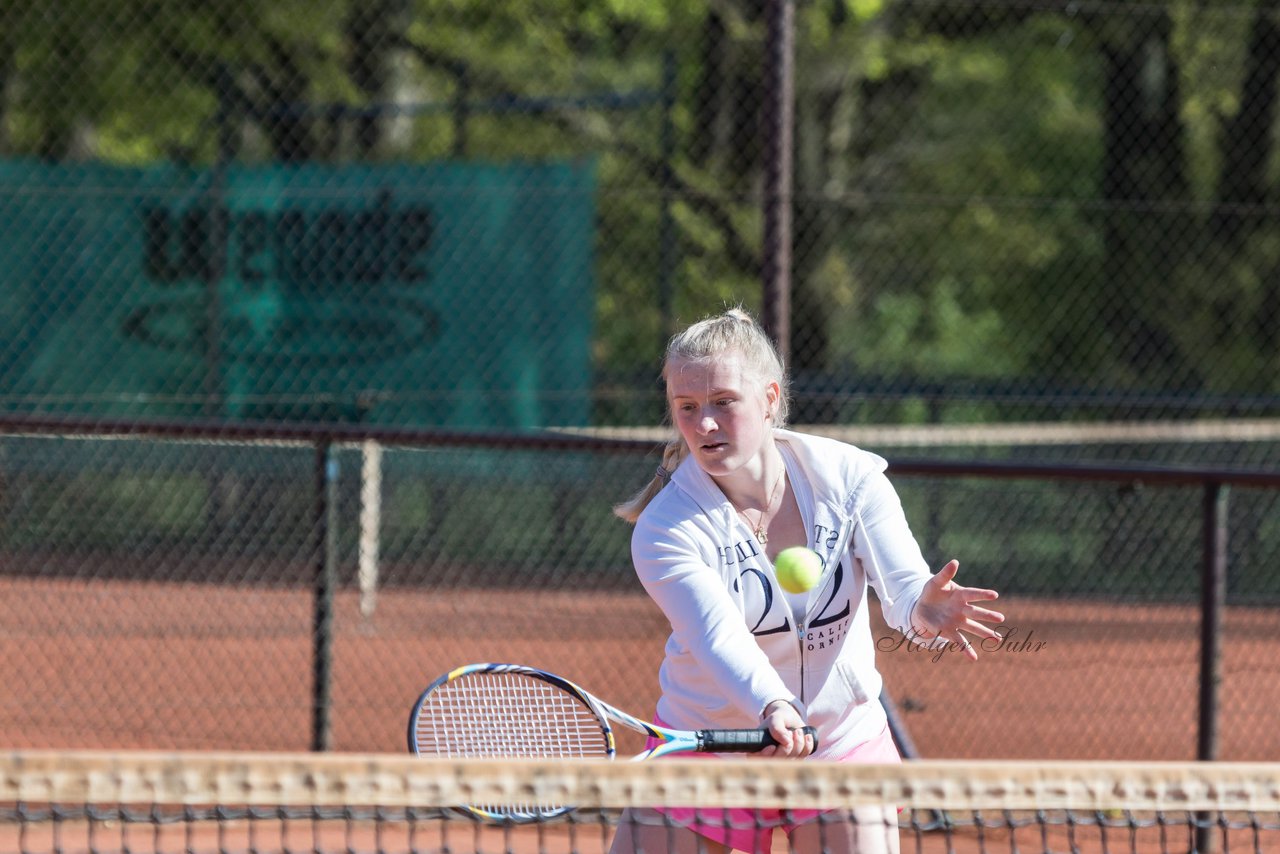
pixel 779 105
pixel 324 544
pixel 906 745
pixel 667 258
pixel 897 728
pixel 216 246
pixel 1213 594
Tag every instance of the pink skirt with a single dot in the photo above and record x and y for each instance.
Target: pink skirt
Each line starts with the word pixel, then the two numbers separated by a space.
pixel 752 829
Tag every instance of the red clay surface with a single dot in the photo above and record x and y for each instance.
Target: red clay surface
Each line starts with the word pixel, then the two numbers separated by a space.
pixel 123 665
pixel 130 665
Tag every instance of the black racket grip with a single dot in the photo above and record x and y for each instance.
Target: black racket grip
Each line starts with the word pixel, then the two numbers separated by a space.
pixel 741 740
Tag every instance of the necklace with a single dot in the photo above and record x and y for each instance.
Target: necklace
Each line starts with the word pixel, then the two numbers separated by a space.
pixel 761 534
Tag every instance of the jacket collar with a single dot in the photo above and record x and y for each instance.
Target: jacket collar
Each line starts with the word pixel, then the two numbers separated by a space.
pixel 832 469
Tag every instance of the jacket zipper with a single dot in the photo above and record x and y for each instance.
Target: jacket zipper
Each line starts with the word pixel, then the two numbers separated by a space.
pixel 800 624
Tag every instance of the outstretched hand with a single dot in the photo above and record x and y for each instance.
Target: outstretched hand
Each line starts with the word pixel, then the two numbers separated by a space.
pixel 946 610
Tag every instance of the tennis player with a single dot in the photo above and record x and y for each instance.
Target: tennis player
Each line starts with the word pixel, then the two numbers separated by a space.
pixel 733 490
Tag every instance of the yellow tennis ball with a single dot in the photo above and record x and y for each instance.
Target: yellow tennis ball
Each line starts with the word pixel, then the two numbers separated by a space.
pixel 797 568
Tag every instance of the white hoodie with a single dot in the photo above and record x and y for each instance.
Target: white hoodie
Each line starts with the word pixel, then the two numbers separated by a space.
pixel 735 644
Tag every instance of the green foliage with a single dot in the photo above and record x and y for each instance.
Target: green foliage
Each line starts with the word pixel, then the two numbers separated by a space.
pixel 949 166
pixel 108 510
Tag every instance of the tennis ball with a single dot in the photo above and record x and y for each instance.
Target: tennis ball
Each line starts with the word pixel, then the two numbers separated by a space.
pixel 797 568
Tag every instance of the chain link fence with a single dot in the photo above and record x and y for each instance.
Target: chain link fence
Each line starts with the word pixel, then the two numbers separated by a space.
pixel 1020 231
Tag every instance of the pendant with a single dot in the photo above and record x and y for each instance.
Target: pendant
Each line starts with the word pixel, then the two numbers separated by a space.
pixel 762 536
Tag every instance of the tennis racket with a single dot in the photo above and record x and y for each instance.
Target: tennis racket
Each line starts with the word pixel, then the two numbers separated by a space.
pixel 512 711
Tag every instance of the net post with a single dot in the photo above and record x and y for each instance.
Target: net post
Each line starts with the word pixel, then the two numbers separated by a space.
pixel 325 580
pixel 897 727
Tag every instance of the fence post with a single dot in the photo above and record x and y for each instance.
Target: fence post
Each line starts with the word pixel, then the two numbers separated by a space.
pixel 667 243
pixel 1213 594
pixel 324 544
pixel 779 113
pixel 216 237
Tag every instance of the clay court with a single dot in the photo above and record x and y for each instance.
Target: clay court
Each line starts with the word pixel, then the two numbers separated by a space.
pixel 186 666
pixel 134 665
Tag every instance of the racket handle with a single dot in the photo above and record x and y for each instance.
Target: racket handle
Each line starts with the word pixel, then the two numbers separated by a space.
pixel 741 740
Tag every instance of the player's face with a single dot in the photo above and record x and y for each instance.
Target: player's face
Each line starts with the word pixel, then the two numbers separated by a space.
pixel 722 412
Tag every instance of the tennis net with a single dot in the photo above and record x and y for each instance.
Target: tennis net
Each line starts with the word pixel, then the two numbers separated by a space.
pixel 56 801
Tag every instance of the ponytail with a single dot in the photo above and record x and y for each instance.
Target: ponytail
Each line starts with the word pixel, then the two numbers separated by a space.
pixel 675 451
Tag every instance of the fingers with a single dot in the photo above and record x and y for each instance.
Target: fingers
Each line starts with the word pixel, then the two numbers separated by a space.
pixel 952 616
pixel 960 606
pixel 978 630
pixel 799 743
pixel 792 743
pixel 984 632
pixel 971 626
pixel 948 572
pixel 966 648
pixel 974 594
pixel 987 616
pixel 786 726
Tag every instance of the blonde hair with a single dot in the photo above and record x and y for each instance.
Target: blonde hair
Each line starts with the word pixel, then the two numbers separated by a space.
pixel 734 331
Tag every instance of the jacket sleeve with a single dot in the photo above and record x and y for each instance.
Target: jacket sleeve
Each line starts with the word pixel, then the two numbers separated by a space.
pixel 888 551
pixel 705 619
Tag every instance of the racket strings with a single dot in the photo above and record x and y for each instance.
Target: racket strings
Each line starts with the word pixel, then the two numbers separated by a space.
pixel 509 715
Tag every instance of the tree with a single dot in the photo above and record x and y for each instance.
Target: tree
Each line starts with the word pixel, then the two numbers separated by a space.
pixel 985 192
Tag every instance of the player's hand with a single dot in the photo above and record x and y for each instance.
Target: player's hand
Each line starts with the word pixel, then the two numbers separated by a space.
pixel 946 610
pixel 787 728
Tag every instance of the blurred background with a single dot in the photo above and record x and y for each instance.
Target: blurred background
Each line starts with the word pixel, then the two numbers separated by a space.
pixel 330 333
